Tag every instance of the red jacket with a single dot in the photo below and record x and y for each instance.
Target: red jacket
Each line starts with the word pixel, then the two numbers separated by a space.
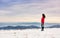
pixel 42 20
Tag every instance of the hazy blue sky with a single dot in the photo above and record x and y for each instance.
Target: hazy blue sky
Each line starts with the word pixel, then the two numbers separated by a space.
pixel 29 10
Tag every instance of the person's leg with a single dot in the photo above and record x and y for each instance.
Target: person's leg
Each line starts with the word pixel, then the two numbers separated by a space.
pixel 42 27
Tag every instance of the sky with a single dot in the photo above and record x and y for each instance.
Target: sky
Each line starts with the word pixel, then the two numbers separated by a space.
pixel 29 10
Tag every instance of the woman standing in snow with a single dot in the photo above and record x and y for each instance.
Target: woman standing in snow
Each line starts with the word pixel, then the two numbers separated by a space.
pixel 42 22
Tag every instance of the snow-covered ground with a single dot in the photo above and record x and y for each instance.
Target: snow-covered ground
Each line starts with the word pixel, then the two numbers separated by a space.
pixel 31 33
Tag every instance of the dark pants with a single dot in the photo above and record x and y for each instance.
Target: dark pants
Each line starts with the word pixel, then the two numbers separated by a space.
pixel 42 27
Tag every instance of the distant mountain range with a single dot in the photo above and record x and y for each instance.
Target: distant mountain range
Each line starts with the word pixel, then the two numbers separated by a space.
pixel 54 26
pixel 26 27
pixel 18 27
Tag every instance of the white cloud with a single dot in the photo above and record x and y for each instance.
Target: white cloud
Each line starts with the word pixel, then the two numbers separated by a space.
pixel 4 12
pixel 33 10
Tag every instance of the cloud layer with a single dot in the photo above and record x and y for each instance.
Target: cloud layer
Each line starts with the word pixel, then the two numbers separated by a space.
pixel 30 8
